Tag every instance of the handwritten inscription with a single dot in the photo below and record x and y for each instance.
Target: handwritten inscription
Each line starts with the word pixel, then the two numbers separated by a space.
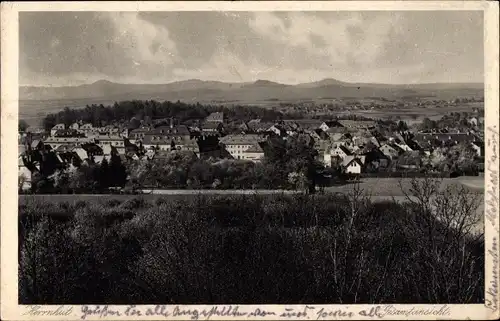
pixel 234 311
pixel 38 310
pixel 439 311
pixel 492 169
pixel 99 311
pixel 491 301
pixel 491 214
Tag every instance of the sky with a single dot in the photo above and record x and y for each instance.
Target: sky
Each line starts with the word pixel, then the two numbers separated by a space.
pixel 73 48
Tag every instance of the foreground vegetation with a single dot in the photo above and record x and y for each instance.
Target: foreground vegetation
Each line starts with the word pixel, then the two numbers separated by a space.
pixel 253 249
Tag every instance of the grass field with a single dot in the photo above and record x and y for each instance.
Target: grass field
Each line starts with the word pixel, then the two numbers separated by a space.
pixel 380 189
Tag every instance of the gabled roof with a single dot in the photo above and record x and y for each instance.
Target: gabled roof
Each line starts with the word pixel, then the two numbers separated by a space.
pixel 178 130
pixel 258 125
pixel 248 139
pixel 349 159
pixel 255 148
pixel 167 140
pixel 65 148
pixel 211 125
pixel 216 116
pixel 344 149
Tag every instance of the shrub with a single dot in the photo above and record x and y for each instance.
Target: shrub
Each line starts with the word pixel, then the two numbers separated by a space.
pixel 252 249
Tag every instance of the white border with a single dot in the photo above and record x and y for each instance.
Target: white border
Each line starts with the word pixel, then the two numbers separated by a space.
pixel 9 117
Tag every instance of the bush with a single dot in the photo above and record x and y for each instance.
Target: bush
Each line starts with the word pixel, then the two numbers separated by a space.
pixel 250 249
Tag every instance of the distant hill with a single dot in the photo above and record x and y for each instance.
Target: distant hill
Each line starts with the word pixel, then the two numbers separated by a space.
pixel 195 88
pixel 39 100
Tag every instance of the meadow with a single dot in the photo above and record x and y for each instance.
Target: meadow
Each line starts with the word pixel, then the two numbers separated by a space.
pixel 250 249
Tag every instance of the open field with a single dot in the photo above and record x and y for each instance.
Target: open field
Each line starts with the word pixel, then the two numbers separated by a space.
pixel 391 186
pixel 379 189
pixel 33 111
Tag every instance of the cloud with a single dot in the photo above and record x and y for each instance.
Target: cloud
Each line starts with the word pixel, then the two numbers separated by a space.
pixel 142 40
pixel 346 38
pixel 58 48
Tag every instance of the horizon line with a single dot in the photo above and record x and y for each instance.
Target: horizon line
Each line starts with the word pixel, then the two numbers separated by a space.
pixel 251 82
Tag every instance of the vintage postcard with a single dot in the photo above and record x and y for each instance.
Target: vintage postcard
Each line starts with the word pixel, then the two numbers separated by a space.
pixel 250 160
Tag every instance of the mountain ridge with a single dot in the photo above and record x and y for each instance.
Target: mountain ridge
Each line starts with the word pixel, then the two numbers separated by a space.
pixel 197 89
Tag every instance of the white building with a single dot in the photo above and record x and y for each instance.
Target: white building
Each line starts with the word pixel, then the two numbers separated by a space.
pixel 56 128
pixel 55 142
pixel 353 164
pixel 237 145
pixel 255 153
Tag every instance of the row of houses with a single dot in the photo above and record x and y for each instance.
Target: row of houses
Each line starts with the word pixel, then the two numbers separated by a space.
pixel 355 145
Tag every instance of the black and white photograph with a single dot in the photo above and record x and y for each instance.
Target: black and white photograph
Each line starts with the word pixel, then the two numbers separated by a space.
pixel 252 157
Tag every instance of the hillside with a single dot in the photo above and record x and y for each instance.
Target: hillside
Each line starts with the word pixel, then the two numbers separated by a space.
pixel 37 101
pixel 258 90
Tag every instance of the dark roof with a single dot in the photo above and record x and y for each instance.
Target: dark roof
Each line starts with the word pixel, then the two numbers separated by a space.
pixel 345 150
pixel 241 139
pixel 211 125
pixel 179 130
pixel 255 148
pixel 140 130
pixel 69 132
pixel 332 123
pixel 217 116
pixel 167 140
pixel 443 137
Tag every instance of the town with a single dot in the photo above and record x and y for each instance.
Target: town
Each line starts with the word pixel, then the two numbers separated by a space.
pixel 352 146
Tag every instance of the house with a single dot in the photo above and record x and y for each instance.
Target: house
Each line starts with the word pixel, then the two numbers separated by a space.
pixel 375 159
pixel 365 139
pixel 478 147
pixel 341 151
pixel 403 145
pixel 440 139
pixel 56 128
pixel 24 175
pixel 74 126
pixel 353 164
pixel 257 126
pixel 236 145
pixel 390 151
pixel 215 117
pixel 178 130
pixel 244 127
pixel 35 130
pixel 69 132
pixel 254 153
pixel 304 125
pixel 170 142
pixel 277 129
pixel 327 125
pixel 472 121
pixel 338 152
pixel 113 140
pixel 138 134
pixel 212 128
pixel 82 153
pixel 86 128
pixel 165 136
pixel 55 142
pixel 99 158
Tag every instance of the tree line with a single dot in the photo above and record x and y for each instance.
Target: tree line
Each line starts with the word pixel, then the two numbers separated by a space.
pixel 124 111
